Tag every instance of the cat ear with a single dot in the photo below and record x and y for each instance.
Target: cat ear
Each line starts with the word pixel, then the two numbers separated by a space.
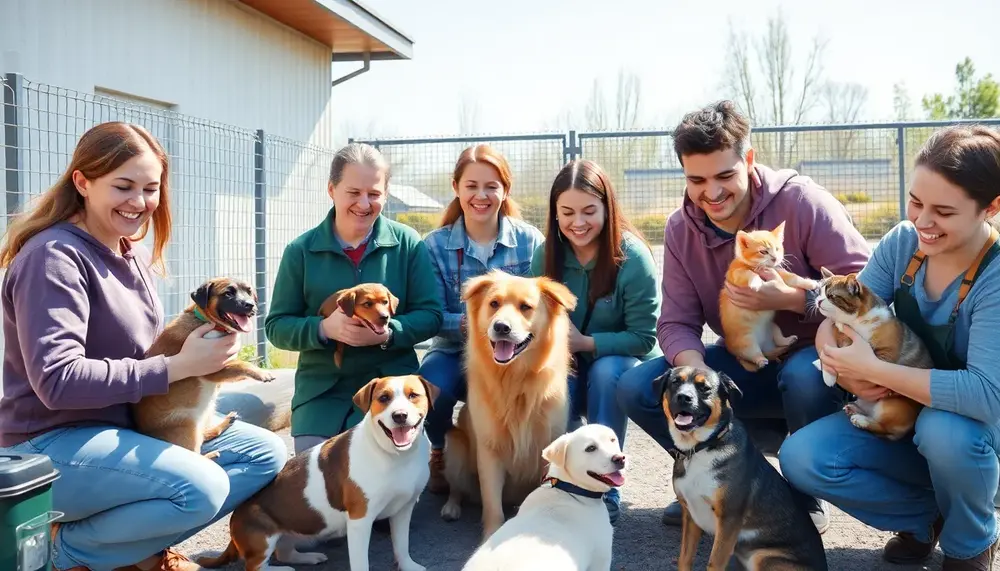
pixel 853 286
pixel 779 230
pixel 827 274
pixel 742 241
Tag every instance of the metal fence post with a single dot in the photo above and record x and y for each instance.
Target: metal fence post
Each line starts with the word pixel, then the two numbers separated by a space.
pixel 571 150
pixel 901 149
pixel 260 240
pixel 12 144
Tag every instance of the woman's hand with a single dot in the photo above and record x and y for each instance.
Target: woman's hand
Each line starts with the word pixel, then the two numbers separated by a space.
pixel 852 365
pixel 578 342
pixel 202 355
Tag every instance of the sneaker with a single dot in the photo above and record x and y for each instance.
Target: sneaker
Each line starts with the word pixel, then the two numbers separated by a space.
pixel 170 560
pixel 981 562
pixel 437 484
pixel 612 500
pixel 821 517
pixel 672 514
pixel 904 549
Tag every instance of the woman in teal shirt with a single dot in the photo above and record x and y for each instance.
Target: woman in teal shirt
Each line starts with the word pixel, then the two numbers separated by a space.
pixel 593 249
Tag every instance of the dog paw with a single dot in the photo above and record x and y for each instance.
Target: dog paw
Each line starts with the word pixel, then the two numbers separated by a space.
pixel 829 378
pixel 311 558
pixel 264 376
pixel 451 511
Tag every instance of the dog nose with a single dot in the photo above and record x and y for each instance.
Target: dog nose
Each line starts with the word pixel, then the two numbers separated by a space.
pixel 501 328
pixel 399 417
pixel 684 399
pixel 619 460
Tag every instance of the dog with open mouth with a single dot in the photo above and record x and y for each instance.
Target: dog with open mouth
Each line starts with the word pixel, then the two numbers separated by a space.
pixel 184 415
pixel 371 303
pixel 562 524
pixel 517 361
pixel 377 469
pixel 726 487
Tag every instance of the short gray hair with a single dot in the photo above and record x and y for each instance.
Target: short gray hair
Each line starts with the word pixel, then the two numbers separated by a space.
pixel 357 153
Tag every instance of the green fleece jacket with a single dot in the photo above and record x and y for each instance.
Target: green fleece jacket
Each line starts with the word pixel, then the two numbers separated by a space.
pixel 623 322
pixel 312 267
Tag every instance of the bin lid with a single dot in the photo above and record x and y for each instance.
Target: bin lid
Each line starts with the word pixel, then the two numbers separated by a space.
pixel 21 473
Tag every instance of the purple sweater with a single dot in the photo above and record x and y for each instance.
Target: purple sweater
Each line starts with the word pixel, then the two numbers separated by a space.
pixel 77 321
pixel 818 232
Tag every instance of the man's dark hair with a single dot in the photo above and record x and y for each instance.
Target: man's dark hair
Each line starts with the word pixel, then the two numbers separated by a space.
pixel 713 128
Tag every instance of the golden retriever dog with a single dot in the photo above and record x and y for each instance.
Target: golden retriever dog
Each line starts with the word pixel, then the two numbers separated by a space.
pixel 517 360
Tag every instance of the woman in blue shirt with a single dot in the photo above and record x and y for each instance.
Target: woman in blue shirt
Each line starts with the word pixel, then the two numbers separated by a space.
pixel 941 271
pixel 481 231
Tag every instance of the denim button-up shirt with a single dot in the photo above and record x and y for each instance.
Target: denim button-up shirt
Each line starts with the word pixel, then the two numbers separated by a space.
pixel 512 251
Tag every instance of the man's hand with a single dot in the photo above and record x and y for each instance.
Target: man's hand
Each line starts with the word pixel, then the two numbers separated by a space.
pixel 773 294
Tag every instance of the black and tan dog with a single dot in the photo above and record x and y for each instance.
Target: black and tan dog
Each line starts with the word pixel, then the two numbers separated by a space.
pixel 184 415
pixel 372 303
pixel 726 487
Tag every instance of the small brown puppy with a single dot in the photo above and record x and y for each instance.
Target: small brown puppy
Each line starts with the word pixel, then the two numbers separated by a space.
pixel 182 415
pixel 372 303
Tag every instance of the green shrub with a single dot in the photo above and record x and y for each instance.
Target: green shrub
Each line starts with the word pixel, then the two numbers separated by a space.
pixel 422 222
pixel 651 226
pixel 278 358
pixel 857 197
pixel 874 224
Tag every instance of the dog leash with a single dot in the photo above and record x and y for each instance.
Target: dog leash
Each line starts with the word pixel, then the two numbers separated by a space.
pixel 571 488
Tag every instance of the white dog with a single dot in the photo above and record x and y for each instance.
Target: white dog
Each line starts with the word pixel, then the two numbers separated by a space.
pixel 564 523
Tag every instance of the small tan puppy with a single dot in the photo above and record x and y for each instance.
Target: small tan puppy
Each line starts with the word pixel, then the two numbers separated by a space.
pixel 183 415
pixel 564 523
pixel 372 303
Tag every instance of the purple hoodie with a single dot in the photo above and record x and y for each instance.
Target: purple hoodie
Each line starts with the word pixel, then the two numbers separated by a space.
pixel 77 320
pixel 818 232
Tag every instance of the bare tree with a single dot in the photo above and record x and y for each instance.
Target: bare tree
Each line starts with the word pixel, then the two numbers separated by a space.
pixel 843 104
pixel 468 115
pixel 774 89
pixel 901 105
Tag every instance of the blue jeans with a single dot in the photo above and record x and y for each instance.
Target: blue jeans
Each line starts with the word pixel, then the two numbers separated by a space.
pixel 792 390
pixel 127 496
pixel 599 392
pixel 443 370
pixel 948 467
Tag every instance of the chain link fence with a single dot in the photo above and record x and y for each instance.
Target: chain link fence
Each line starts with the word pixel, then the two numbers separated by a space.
pixel 239 195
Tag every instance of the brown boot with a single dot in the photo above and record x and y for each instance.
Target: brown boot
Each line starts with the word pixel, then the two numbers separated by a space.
pixel 170 560
pixel 903 548
pixel 981 562
pixel 437 484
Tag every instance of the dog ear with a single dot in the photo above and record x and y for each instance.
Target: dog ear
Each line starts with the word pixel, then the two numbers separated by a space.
pixel 200 296
pixel 475 286
pixel 363 398
pixel 393 304
pixel 727 388
pixel 346 302
pixel 555 453
pixel 431 389
pixel 660 385
pixel 557 292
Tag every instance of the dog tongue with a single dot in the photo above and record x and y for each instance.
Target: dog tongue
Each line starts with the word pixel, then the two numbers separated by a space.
pixel 683 419
pixel 503 350
pixel 242 322
pixel 401 435
pixel 615 478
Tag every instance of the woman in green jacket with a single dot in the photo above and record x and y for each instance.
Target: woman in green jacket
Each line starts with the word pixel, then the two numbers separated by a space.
pixel 593 249
pixel 354 244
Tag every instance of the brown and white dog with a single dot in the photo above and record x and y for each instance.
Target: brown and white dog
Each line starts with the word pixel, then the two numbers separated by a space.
pixel 184 415
pixel 371 303
pixel 376 469
pixel 517 361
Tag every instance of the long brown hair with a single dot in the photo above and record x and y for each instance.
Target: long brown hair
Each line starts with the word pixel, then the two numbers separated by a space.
pixel 482 154
pixel 101 150
pixel 589 177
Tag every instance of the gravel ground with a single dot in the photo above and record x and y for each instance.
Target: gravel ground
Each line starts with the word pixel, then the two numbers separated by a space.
pixel 641 541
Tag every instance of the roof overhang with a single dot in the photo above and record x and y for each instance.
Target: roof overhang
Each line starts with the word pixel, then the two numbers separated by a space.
pixel 351 30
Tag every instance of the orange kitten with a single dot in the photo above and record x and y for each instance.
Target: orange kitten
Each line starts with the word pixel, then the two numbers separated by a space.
pixel 750 335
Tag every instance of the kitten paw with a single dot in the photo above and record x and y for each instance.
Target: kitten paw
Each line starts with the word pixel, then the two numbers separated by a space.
pixel 851 409
pixel 860 421
pixel 809 285
pixel 760 362
pixel 756 283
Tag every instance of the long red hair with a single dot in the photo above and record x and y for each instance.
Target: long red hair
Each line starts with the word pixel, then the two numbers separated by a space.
pixel 482 153
pixel 101 150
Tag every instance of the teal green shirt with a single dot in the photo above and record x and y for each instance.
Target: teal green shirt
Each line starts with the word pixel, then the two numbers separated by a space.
pixel 314 266
pixel 623 322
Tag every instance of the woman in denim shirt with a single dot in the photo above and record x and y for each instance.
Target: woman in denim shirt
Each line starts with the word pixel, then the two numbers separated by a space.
pixel 481 231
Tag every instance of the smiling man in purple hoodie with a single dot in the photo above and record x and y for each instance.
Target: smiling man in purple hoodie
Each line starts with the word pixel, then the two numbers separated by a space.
pixel 728 191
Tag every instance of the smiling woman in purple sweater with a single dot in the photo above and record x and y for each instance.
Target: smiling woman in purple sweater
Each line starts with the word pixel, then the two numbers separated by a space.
pixel 79 313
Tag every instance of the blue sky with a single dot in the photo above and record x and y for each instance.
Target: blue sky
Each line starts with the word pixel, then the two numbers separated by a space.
pixel 525 63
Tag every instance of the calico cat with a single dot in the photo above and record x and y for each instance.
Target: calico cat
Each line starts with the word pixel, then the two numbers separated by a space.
pixel 847 301
pixel 750 335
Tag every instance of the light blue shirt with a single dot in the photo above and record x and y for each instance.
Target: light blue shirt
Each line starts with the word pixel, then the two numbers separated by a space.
pixel 974 391
pixel 511 252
